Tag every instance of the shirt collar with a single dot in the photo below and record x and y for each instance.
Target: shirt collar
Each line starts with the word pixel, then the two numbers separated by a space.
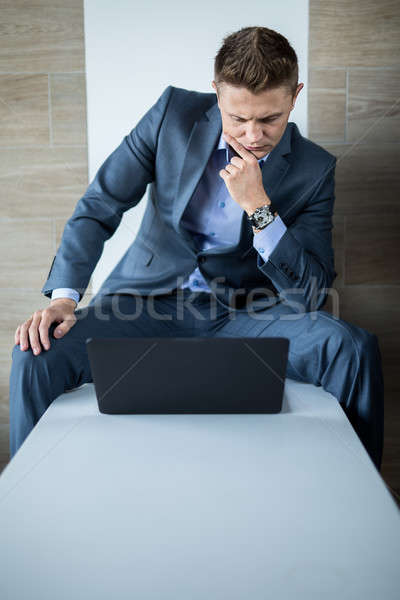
pixel 222 145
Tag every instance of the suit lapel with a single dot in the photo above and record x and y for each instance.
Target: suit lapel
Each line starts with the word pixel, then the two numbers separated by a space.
pixel 202 141
pixel 275 167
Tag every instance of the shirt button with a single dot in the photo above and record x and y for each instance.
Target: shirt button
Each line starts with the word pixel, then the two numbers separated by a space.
pixel 222 204
pixel 261 250
pixel 213 233
pixel 196 282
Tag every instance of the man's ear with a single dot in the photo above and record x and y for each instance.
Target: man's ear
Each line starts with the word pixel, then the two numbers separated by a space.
pixel 298 90
pixel 214 85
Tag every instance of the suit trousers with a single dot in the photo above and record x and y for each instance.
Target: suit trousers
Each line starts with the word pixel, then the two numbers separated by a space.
pixel 324 350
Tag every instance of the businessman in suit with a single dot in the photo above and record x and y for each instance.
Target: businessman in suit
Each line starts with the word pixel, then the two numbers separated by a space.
pixel 235 241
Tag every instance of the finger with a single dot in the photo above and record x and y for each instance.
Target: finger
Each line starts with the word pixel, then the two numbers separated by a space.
pixel 24 343
pixel 16 335
pixel 64 327
pixel 241 150
pixel 34 333
pixel 231 168
pixel 44 326
pixel 238 162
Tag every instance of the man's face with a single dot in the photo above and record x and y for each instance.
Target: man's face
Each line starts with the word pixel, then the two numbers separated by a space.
pixel 256 121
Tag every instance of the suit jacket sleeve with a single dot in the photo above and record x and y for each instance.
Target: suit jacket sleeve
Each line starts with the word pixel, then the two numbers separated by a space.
pixel 119 184
pixel 301 266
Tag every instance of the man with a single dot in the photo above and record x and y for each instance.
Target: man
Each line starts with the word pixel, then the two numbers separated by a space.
pixel 235 241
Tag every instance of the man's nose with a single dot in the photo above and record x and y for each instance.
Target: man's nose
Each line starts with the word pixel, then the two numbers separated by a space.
pixel 254 134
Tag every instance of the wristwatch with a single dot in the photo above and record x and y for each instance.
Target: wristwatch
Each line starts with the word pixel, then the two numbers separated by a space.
pixel 261 217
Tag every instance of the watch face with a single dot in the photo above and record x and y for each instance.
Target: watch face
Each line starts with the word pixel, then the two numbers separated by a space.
pixel 264 220
pixel 262 216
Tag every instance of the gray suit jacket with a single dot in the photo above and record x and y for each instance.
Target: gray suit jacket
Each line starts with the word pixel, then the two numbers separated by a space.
pixel 168 150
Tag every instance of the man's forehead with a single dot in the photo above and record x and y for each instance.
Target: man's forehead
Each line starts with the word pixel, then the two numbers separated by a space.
pixel 243 103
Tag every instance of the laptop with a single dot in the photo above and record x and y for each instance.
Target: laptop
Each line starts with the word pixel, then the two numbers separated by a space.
pixel 188 375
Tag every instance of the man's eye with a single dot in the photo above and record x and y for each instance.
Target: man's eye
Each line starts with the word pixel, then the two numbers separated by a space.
pixel 269 120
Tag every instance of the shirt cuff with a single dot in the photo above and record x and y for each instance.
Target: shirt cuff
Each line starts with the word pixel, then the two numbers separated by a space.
pixel 65 293
pixel 265 240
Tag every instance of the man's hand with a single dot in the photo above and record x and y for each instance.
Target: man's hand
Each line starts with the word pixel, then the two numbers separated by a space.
pixel 243 178
pixel 36 329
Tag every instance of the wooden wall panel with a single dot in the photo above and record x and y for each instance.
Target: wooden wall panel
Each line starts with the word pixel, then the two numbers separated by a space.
pixel 44 35
pixel 327 104
pixel 43 156
pixel 373 112
pixel 24 110
pixel 367 178
pixel 349 33
pixel 42 181
pixel 68 108
pixel 372 249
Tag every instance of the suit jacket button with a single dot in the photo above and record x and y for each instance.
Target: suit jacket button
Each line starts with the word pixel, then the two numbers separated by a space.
pixel 202 259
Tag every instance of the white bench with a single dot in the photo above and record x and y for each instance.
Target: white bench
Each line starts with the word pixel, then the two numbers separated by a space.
pixel 188 507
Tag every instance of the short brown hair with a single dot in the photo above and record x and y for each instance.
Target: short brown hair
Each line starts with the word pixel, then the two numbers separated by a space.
pixel 257 58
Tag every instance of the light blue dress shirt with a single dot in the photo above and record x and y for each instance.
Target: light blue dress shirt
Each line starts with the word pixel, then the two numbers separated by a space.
pixel 213 219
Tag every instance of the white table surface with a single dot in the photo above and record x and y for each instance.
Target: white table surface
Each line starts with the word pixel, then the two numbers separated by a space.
pixel 249 507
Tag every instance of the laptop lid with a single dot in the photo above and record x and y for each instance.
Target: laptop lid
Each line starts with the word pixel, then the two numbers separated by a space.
pixel 197 374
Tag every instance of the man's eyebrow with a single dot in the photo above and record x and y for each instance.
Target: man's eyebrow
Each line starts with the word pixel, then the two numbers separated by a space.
pixel 278 114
